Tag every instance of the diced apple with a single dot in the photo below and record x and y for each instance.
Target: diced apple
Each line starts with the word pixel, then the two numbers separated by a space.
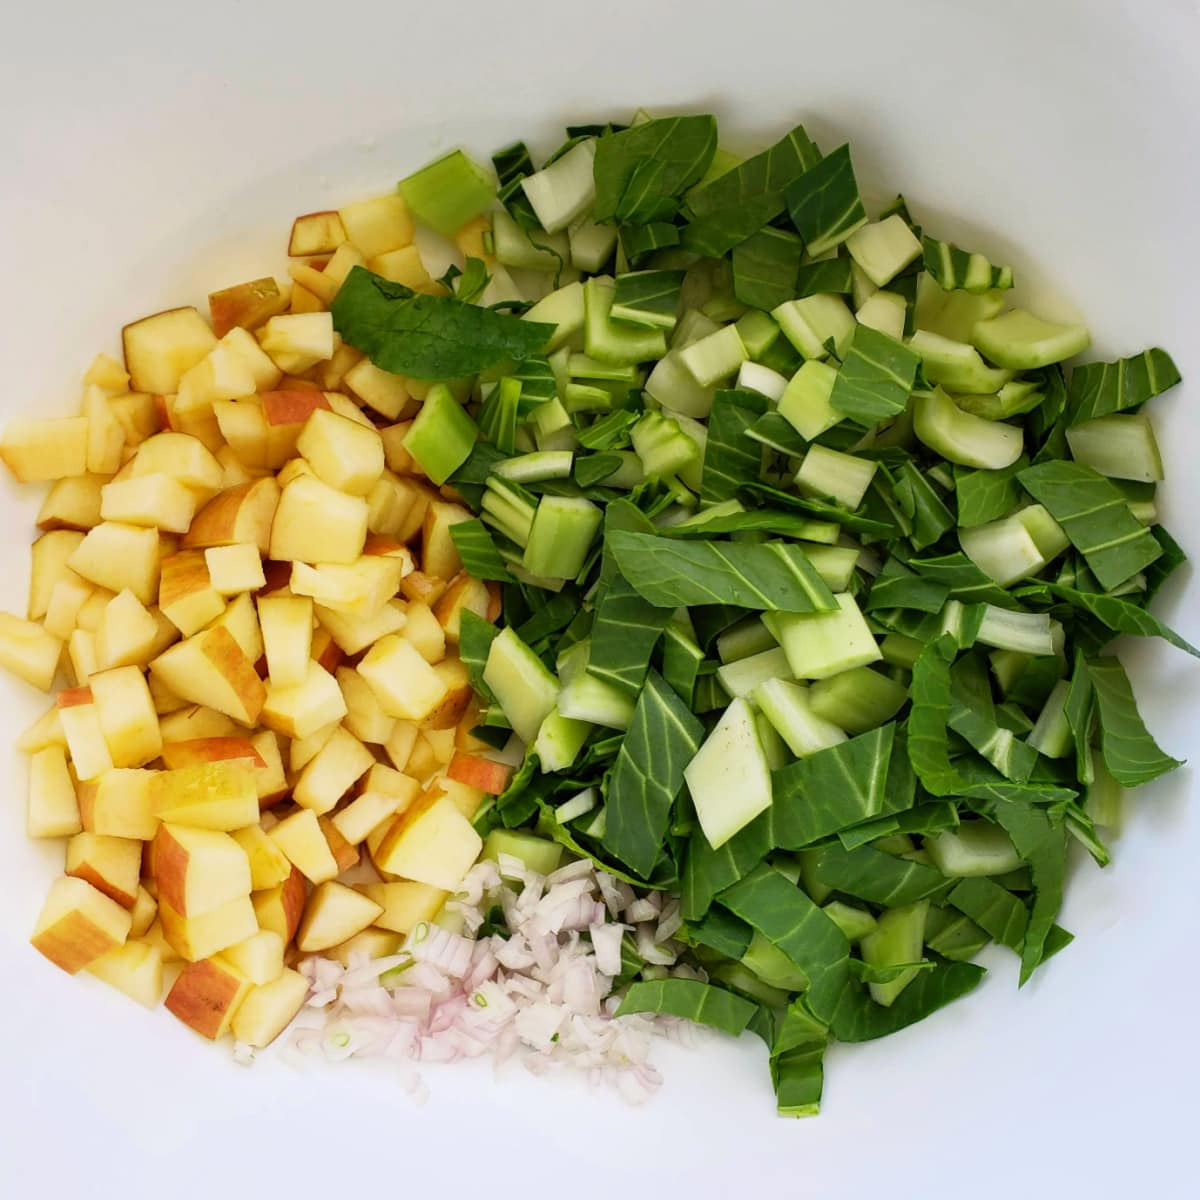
pixel 404 266
pixel 259 958
pixel 139 416
pixel 206 996
pixel 194 723
pixel 368 943
pixel 239 515
pixel 340 763
pixel 443 743
pixel 111 865
pixel 93 607
pixel 186 595
pixel 344 854
pixel 399 746
pixel 287 627
pixel 155 938
pixel 183 457
pixel 144 911
pixel 269 780
pixel 127 633
pixel 50 555
pixel 81 656
pixel 300 838
pixel 216 795
pixel 127 717
pixel 303 301
pixel 240 618
pixel 106 435
pixel 135 969
pixel 353 634
pixel 118 804
pixel 378 225
pixel 28 651
pixel 160 348
pixel 360 589
pixel 72 503
pixel 210 668
pixel 395 453
pixel 334 913
pixel 45 731
pixel 243 425
pixel 53 810
pixel 194 938
pixel 405 904
pixel 66 601
pixel 386 393
pixel 209 749
pixel 464 592
pixel 431 842
pixel 40 448
pixel 439 555
pixel 155 501
pixel 281 907
pixel 333 373
pixel 79 923
pixel 119 557
pixel 315 523
pixel 268 1010
pixel 299 711
pixel 344 454
pixel 198 870
pixel 403 682
pixel 269 866
pixel 234 569
pixel 482 773
pixel 85 738
pixel 297 341
pixel 245 305
pixel 385 793
pixel 457 696
pixel 365 718
pixel 233 471
pixel 107 373
pixel 314 282
pixel 316 233
pixel 303 750
pixel 425 632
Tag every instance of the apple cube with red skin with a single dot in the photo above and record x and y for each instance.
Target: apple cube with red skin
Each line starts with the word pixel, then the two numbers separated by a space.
pixel 111 865
pixel 281 907
pixel 79 923
pixel 482 773
pixel 268 1009
pixel 199 870
pixel 206 996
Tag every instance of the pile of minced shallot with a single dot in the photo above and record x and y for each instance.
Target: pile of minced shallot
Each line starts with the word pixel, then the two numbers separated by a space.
pixel 541 995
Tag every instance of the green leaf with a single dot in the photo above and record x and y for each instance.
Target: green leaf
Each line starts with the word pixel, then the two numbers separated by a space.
pixel 822 510
pixel 765 268
pixel 1011 757
pixel 922 505
pixel 959 269
pixel 1159 571
pixel 707 872
pixel 428 337
pixel 738 203
pixel 548 826
pixel 993 908
pixel 824 203
pixel 681 657
pixel 1131 755
pixel 928 747
pixel 731 460
pixel 723 932
pixel 875 875
pixel 702 1003
pixel 875 379
pixel 555 611
pixel 475 639
pixel 964 579
pixel 984 496
pixel 1099 388
pixel 1121 616
pixel 1096 517
pixel 591 469
pixel 610 432
pixel 647 298
pixel 662 739
pixel 478 552
pixel 825 276
pixel 779 434
pixel 763 520
pixel 641 171
pixel 897 587
pixel 866 973
pixel 925 819
pixel 670 573
pixel 624 635
pixel 859 1019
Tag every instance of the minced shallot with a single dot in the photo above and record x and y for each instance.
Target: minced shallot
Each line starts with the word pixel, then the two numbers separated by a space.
pixel 542 995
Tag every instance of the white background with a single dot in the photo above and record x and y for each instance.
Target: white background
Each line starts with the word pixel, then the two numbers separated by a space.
pixel 152 152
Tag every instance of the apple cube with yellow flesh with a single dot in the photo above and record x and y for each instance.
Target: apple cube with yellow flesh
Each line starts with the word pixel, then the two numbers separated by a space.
pixel 216 795
pixel 196 723
pixel 111 865
pixel 79 923
pixel 297 341
pixel 207 994
pixel 127 717
pixel 316 523
pixel 360 589
pixel 268 1010
pixel 53 810
pixel 405 904
pixel 107 373
pixel 215 748
pixel 127 633
pixel 297 712
pixel 186 595
pixel 365 719
pixel 234 569
pixel 303 750
pixel 405 266
pixel 431 842
pixel 386 393
pixel 139 416
pixel 378 225
pixel 300 838
pixel 240 617
pixel 316 233
pixel 270 781
pixel 154 501
pixel 118 804
pixel 464 593
pixel 81 656
pixel 144 911
pixel 72 503
pixel 354 634
pixel 85 738
pixel 135 969
pixel 395 453
pixel 49 557
pixel 385 793
pixel 45 731
pixel 243 425
pixel 315 282
pixel 239 515
pixel 281 907
pixel 335 769
pixel 41 448
pixel 119 557
pixel 269 866
pixel 245 305
pixel 425 632
pixel 259 958
pixel 106 435
pixel 439 555
pixel 403 682
pixel 199 870
pixel 210 668
pixel 160 348
pixel 345 855
pixel 334 913
pixel 344 454
pixel 28 651
pixel 154 937
pixel 370 943
pixel 400 745
pixel 209 933
pixel 181 456
pixel 457 697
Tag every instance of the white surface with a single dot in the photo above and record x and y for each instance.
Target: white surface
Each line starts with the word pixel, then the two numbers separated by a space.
pixel 152 152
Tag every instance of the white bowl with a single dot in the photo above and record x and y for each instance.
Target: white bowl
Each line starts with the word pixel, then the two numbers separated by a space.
pixel 152 154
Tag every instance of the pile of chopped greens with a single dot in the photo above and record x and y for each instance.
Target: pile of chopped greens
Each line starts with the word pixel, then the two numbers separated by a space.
pixel 812 558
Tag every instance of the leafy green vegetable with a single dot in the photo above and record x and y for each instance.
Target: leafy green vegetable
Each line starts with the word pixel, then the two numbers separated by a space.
pixel 671 573
pixel 923 509
pixel 1131 755
pixel 825 275
pixel 1100 388
pixel 875 875
pixel 984 496
pixel 875 379
pixel 703 1003
pixel 428 337
pixel 624 634
pixel 648 774
pixel 928 749
pixel 765 268
pixel 858 1019
pixel 955 268
pixel 731 461
pixel 824 203
pixel 478 552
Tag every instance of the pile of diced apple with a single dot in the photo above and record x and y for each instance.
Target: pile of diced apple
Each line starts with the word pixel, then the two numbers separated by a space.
pixel 248 597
